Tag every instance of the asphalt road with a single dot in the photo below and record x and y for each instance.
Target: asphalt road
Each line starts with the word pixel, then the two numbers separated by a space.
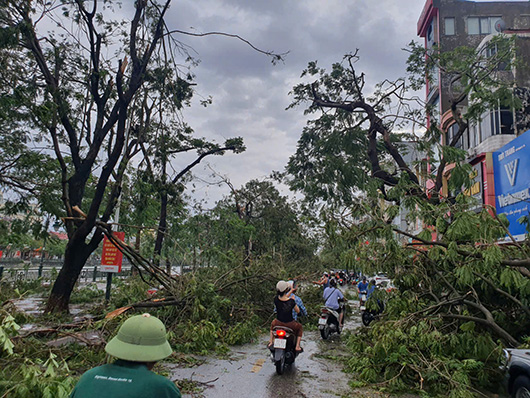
pixel 249 371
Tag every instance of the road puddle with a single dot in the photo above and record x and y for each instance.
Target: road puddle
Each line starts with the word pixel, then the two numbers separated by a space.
pixel 249 371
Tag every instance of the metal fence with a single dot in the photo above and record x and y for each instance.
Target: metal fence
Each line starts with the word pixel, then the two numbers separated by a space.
pixel 15 269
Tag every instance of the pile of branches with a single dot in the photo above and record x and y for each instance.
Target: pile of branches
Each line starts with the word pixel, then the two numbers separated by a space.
pixel 462 297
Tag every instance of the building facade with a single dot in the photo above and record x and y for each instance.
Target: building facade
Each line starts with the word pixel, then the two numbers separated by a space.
pixel 448 24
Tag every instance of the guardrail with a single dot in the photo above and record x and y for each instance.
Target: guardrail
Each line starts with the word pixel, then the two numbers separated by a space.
pixel 32 273
pixel 23 270
pixel 16 269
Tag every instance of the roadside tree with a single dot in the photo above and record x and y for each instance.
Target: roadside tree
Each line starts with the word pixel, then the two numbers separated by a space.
pixel 88 88
pixel 458 288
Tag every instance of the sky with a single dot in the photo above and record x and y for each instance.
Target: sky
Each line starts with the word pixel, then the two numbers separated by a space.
pixel 250 94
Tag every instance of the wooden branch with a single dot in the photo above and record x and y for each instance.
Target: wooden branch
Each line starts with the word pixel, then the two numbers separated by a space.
pixel 32 43
pixel 519 265
pixel 275 56
pixel 199 159
pixel 499 331
pixel 440 304
pixel 376 126
pixel 241 280
pixel 504 293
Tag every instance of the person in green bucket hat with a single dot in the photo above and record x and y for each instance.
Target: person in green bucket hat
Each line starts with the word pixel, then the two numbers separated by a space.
pixel 140 343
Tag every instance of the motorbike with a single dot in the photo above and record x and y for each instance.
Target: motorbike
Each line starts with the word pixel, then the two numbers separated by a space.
pixel 369 315
pixel 328 322
pixel 283 351
pixel 362 300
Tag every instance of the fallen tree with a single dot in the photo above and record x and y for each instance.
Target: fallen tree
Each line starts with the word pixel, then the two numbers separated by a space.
pixel 461 295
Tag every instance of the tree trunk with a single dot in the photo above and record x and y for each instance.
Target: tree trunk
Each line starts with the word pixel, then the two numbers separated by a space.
pixel 76 255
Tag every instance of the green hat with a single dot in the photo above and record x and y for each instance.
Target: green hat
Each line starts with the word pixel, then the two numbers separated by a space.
pixel 141 338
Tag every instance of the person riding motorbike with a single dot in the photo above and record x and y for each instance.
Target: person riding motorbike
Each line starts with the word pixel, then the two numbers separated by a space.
pixel 372 311
pixel 361 289
pixel 303 312
pixel 370 289
pixel 140 343
pixel 285 304
pixel 332 297
pixel 362 286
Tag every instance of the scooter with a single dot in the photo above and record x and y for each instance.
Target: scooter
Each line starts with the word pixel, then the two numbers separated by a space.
pixel 328 322
pixel 362 300
pixel 367 316
pixel 283 351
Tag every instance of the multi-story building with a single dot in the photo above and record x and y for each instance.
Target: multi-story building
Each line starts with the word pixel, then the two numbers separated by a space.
pixel 448 24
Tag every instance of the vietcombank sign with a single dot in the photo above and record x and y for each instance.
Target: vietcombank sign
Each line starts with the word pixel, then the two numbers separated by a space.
pixel 511 168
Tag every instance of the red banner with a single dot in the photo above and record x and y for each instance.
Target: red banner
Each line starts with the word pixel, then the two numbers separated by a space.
pixel 111 257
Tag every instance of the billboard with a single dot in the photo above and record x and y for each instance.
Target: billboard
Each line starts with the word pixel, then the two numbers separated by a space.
pixel 476 190
pixel 511 168
pixel 111 257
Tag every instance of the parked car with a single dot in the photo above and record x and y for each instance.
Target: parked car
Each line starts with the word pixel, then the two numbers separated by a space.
pixel 387 285
pixel 380 277
pixel 517 372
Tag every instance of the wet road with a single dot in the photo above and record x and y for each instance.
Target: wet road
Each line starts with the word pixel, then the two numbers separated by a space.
pixel 249 371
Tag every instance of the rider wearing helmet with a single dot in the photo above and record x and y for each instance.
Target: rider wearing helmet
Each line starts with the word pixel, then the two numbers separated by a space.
pixel 285 304
pixel 141 342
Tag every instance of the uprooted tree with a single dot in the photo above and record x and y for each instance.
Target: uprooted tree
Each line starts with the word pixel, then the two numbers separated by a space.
pixel 460 290
pixel 94 93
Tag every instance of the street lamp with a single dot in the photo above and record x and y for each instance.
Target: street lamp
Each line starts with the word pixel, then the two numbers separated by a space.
pixel 44 246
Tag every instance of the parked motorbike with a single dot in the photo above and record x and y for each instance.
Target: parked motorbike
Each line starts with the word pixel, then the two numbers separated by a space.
pixel 370 315
pixel 328 322
pixel 283 351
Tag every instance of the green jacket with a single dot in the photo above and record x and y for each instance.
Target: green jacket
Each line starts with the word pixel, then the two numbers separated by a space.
pixel 124 379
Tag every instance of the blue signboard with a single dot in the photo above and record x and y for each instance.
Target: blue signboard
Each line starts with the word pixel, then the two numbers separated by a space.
pixel 511 170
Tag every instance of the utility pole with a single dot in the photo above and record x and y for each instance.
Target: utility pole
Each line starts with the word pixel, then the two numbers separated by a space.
pixel 41 265
pixel 109 274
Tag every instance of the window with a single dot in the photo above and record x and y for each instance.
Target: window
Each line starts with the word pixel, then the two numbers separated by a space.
pixel 481 25
pixel 433 81
pixel 506 121
pixel 474 138
pixel 494 123
pixel 449 26
pixel 485 26
pixel 432 35
pixel 485 124
pixel 452 131
pixel 497 121
pixel 491 51
pixel 473 27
